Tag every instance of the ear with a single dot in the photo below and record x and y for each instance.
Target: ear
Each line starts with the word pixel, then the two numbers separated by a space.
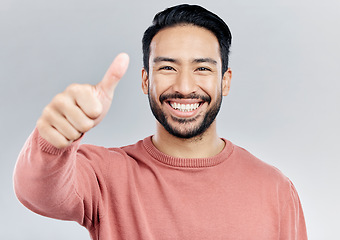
pixel 145 81
pixel 226 82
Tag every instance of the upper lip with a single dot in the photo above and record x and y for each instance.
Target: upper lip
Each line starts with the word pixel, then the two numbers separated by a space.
pixel 185 101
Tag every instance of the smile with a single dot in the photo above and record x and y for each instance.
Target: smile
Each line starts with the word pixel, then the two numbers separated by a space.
pixel 184 107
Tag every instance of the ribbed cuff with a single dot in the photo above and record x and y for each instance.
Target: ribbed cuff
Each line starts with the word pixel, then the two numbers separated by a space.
pixel 47 147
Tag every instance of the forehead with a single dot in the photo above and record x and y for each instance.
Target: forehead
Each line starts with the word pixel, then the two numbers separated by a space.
pixel 185 42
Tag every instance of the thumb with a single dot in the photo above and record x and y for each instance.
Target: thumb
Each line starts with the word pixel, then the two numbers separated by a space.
pixel 113 74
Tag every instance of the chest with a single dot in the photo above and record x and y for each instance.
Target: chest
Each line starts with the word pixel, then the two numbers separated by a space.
pixel 199 205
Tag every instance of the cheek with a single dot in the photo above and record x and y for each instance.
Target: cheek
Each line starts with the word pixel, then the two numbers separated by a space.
pixel 212 87
pixel 152 91
pixel 155 91
pixel 159 86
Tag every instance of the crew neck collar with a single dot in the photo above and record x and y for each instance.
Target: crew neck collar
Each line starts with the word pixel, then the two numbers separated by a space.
pixel 188 162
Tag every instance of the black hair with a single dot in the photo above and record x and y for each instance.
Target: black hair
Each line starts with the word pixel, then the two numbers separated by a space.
pixel 191 15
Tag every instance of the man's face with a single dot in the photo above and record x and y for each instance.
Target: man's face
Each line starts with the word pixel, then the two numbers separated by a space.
pixel 185 84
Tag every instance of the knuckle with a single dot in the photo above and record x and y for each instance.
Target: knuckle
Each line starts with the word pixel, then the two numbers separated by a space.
pixel 40 124
pixel 59 100
pixel 43 124
pixel 73 88
pixel 74 135
pixel 96 110
pixel 85 126
pixel 76 89
pixel 46 111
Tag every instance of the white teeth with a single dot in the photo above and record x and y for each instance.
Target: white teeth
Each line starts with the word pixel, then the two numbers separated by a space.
pixel 184 107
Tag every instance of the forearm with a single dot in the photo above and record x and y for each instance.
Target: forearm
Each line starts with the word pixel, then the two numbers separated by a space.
pixel 44 179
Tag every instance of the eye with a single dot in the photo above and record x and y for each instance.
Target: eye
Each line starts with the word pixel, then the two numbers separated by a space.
pixel 168 68
pixel 203 69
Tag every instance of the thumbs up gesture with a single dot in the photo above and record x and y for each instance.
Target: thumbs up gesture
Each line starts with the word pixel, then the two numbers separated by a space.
pixel 80 107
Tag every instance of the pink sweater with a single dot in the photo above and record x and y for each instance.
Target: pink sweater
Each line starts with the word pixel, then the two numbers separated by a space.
pixel 137 192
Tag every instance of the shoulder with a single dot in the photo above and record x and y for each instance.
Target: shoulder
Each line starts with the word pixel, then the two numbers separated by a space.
pixel 99 152
pixel 257 170
pixel 109 155
pixel 262 178
pixel 105 162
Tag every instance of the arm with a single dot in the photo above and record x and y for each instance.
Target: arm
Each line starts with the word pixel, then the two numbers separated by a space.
pixel 293 226
pixel 45 179
pixel 51 177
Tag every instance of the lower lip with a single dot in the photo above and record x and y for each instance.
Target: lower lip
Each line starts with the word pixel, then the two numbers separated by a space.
pixel 181 114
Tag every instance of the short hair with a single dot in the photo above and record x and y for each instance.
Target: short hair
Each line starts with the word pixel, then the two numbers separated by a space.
pixel 192 15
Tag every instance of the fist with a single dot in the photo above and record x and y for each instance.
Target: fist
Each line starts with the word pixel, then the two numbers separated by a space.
pixel 80 107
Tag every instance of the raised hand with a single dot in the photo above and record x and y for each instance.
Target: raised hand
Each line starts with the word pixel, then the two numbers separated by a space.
pixel 80 107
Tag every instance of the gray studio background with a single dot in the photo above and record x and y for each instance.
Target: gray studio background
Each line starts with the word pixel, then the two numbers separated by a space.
pixel 283 105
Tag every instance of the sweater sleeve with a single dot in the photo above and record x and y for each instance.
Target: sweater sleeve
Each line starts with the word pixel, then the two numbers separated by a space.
pixel 50 182
pixel 293 226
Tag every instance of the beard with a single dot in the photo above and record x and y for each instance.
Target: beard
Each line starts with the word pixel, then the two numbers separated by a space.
pixel 191 127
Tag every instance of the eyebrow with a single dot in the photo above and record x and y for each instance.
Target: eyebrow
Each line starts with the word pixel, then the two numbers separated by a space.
pixel 165 59
pixel 196 60
pixel 205 60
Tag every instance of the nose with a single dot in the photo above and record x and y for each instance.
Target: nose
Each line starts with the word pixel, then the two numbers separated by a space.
pixel 185 83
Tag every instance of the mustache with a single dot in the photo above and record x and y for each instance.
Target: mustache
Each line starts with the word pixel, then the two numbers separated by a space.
pixel 165 97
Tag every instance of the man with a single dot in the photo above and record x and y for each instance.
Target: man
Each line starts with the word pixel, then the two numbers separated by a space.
pixel 184 182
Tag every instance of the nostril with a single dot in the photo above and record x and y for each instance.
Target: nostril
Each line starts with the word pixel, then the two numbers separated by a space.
pixel 185 87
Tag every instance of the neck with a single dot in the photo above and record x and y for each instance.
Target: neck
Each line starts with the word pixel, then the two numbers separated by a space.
pixel 206 145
